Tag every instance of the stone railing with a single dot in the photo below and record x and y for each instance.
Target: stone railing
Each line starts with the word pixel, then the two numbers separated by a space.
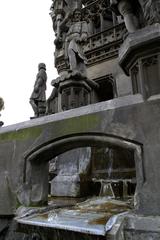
pixel 105 44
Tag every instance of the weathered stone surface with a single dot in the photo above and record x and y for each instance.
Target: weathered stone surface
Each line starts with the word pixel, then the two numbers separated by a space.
pixel 130 226
pixel 138 13
pixel 129 11
pixel 8 197
pixel 8 230
pixel 123 82
pixel 139 58
pixel 73 162
pixel 90 218
pixel 4 226
pixel 71 186
pixel 137 44
pixel 72 168
pixel 140 227
pixel 127 118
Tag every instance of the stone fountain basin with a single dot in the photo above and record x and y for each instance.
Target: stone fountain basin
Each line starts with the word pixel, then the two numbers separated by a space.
pixel 88 217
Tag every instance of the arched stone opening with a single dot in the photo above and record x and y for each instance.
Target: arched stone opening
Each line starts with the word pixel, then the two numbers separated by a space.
pixel 40 157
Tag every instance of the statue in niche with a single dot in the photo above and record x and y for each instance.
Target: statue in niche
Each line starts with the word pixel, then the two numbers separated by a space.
pixel 38 96
pixel 76 35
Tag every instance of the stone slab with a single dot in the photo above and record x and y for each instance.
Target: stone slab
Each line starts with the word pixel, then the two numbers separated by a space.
pixel 90 109
pixel 89 217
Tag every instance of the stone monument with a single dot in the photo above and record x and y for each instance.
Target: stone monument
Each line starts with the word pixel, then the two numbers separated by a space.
pixel 73 85
pixel 100 136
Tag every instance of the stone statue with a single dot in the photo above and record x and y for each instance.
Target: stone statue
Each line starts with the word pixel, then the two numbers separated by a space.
pixel 59 9
pixel 57 14
pixel 38 97
pixel 128 9
pixel 76 35
pixel 1 103
pixel 1 107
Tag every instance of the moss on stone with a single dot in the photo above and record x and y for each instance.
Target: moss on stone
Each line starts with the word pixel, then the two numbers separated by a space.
pixel 20 135
pixel 80 124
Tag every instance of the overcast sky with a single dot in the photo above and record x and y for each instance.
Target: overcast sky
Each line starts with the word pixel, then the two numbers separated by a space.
pixel 26 38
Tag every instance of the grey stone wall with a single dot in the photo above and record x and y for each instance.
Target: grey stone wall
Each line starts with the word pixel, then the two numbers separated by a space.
pixel 126 121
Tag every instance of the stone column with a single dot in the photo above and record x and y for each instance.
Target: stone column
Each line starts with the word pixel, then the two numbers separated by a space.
pixel 39 176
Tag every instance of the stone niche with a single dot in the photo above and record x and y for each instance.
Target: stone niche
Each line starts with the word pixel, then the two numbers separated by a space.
pixel 90 170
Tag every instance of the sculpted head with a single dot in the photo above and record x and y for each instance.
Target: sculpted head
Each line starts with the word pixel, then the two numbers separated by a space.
pixel 77 15
pixel 41 66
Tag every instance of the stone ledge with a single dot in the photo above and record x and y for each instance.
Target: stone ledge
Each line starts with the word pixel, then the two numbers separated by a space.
pixel 89 109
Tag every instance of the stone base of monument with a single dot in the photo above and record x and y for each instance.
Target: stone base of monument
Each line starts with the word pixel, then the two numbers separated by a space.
pixel 70 186
pixel 74 93
pixel 139 56
pixel 74 90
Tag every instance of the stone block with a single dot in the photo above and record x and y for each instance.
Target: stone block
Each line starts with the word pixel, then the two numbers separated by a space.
pixel 69 186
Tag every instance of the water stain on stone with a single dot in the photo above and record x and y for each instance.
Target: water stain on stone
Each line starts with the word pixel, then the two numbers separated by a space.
pixel 100 221
pixel 105 207
pixel 43 216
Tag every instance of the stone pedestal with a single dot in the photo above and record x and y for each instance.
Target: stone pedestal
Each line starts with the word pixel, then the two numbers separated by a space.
pixel 139 57
pixel 74 90
pixel 74 93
